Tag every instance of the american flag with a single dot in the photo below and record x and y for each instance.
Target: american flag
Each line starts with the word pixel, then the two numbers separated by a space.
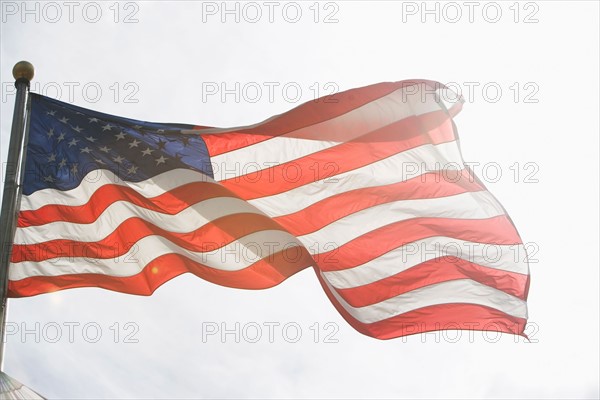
pixel 368 187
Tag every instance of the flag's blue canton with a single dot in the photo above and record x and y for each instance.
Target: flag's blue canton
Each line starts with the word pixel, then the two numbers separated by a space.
pixel 67 142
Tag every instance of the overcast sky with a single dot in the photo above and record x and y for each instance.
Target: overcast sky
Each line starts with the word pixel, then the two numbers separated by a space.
pixel 529 73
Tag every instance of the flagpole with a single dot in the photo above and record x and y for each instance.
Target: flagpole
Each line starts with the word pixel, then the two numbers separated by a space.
pixel 23 73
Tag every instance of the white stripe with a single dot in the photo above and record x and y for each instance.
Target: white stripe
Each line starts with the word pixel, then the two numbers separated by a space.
pixel 456 291
pixel 501 257
pixel 469 205
pixel 94 180
pixel 400 104
pixel 397 168
pixel 234 256
pixel 448 97
pixel 187 220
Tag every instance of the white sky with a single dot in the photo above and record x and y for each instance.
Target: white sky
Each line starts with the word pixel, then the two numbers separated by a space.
pixel 174 51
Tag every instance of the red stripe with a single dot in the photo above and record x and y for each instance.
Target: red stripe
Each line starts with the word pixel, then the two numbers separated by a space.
pixel 263 274
pixel 430 185
pixel 433 318
pixel 209 237
pixel 455 108
pixel 411 132
pixel 434 271
pixel 307 114
pixel 171 202
pixel 495 230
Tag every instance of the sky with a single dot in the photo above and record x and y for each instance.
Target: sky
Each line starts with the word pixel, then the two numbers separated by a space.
pixel 529 75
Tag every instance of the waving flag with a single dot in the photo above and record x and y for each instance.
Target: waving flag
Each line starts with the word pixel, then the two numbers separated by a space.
pixel 368 187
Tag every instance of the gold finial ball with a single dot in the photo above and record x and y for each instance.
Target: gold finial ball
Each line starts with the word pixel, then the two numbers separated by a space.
pixel 23 69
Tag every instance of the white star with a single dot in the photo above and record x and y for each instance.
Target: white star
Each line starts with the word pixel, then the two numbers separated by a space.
pixel 91 139
pixel 51 112
pixel 160 160
pixel 86 150
pixel 132 170
pixel 93 120
pixel 77 129
pixel 50 133
pixel 52 157
pixel 147 152
pixel 62 163
pixel 104 149
pixel 61 137
pixel 73 142
pixel 133 144
pixel 120 136
pixel 160 131
pixel 99 161
pixel 64 120
pixel 118 159
pixel 107 127
pixel 48 179
pixel 74 169
pixel 137 127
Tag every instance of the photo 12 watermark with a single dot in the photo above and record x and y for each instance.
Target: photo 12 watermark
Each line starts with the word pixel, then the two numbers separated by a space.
pixel 452 12
pixel 76 92
pixel 493 92
pixel 126 332
pixel 252 12
pixel 268 92
pixel 269 332
pixel 55 12
pixel 468 332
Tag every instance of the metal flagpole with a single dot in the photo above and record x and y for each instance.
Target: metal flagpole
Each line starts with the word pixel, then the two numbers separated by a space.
pixel 23 73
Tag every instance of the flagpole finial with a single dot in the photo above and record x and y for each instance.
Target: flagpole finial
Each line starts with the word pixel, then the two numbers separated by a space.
pixel 23 70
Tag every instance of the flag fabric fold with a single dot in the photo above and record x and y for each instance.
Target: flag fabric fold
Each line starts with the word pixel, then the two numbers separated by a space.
pixel 368 187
